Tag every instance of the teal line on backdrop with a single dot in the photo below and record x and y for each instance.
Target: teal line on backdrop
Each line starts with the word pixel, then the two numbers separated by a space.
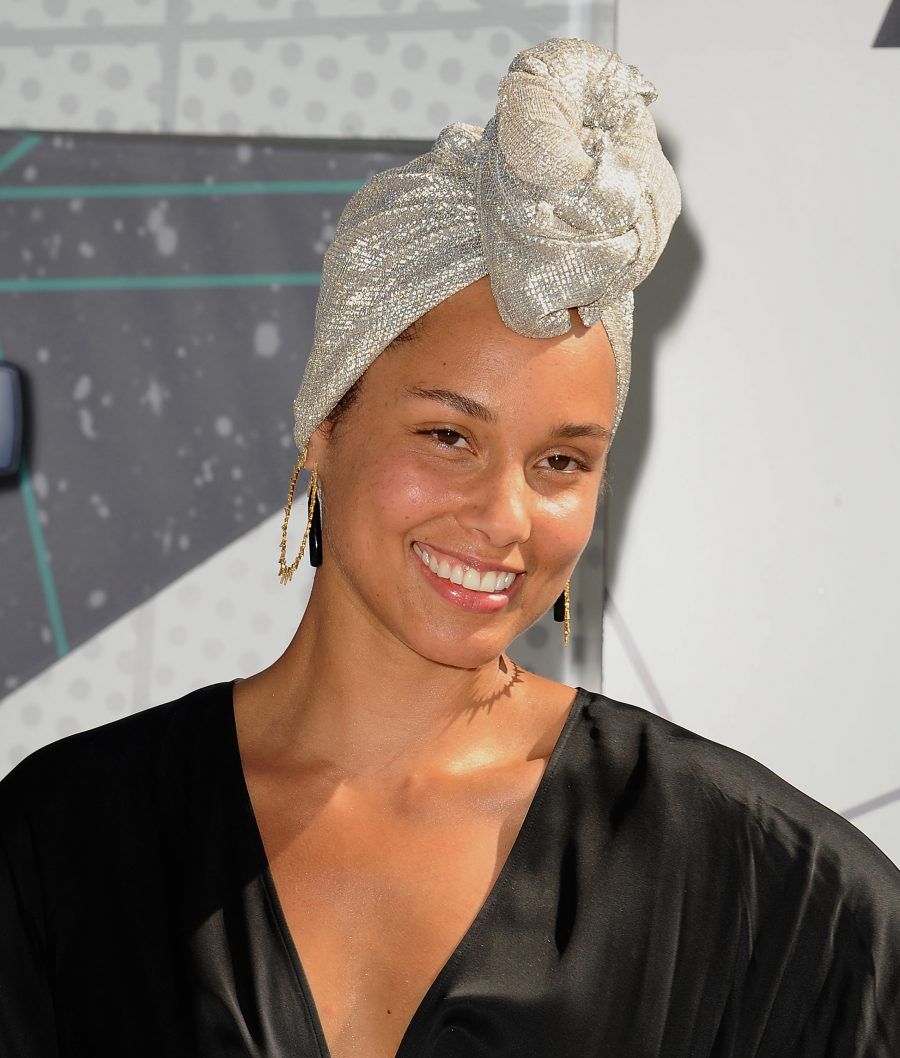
pixel 27 143
pixel 184 282
pixel 250 187
pixel 39 546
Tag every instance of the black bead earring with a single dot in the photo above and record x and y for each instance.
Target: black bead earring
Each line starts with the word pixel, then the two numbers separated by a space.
pixel 561 613
pixel 315 535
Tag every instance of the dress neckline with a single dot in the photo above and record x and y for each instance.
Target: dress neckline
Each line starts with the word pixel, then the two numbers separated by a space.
pixel 433 992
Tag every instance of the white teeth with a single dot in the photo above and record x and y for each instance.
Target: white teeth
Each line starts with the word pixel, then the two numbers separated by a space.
pixel 456 573
pixel 489 581
pixel 472 579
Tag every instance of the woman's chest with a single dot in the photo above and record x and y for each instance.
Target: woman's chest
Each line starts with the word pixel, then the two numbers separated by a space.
pixel 375 903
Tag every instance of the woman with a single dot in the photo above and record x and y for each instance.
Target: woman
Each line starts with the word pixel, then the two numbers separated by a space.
pixel 394 841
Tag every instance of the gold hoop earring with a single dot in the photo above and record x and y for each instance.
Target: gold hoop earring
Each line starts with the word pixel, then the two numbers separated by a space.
pixel 561 613
pixel 286 572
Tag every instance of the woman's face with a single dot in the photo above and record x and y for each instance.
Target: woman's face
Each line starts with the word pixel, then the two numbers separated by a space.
pixel 475 450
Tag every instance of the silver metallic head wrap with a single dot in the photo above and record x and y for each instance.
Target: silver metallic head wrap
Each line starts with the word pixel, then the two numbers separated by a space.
pixel 564 199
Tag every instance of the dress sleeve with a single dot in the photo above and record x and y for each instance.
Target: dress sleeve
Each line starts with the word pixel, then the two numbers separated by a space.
pixel 27 1021
pixel 824 972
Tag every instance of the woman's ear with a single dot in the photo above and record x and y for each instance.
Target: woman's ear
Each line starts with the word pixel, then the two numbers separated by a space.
pixel 318 445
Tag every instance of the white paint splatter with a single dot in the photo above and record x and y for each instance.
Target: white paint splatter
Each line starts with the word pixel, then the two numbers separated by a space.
pixel 86 249
pixel 96 599
pixel 224 426
pixel 267 339
pixel 40 484
pixel 82 387
pixel 86 424
pixel 155 396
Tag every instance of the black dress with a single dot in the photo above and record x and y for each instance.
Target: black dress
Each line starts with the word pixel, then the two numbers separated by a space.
pixel 665 896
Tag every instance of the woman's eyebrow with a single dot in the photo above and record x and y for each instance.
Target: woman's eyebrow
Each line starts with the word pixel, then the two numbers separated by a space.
pixel 581 429
pixel 466 405
pixel 469 406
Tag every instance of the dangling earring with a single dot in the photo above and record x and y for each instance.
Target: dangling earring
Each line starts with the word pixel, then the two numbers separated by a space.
pixel 315 535
pixel 286 572
pixel 561 613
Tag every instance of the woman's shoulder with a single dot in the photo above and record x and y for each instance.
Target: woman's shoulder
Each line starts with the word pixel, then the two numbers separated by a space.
pixel 714 789
pixel 92 763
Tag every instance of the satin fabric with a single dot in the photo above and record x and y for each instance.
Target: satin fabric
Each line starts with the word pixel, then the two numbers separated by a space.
pixel 665 896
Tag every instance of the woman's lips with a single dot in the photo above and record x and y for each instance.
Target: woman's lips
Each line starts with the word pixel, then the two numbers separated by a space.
pixel 468 598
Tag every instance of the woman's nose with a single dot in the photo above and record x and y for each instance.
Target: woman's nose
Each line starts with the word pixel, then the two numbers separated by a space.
pixel 498 505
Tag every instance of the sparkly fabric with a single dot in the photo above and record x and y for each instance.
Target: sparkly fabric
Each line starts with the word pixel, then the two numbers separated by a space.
pixel 564 199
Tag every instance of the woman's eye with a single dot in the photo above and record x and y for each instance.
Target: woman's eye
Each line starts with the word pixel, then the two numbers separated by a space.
pixel 445 438
pixel 565 464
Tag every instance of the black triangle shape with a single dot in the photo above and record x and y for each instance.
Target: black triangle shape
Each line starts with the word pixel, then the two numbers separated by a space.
pixel 889 34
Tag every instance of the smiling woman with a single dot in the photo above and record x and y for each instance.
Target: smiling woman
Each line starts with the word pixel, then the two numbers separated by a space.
pixel 394 842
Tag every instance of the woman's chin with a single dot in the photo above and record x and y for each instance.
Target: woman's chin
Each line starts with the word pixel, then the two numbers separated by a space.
pixel 472 652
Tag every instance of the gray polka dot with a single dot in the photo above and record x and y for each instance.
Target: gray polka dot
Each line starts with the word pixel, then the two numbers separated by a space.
pixel 213 649
pixel 229 121
pixel 364 84
pixel 413 56
pixel 67 725
pixel 303 9
pixel 55 8
pixel 225 607
pixel 42 51
pixel 118 76
pixel 261 622
pixel 537 636
pixel 389 5
pixel 30 88
pixel 153 92
pixel 486 87
pixel 314 110
pixel 80 61
pixel 115 702
pixel 177 635
pixel 463 34
pixel 16 753
pixel 253 44
pixel 68 103
pixel 500 43
pixel 205 65
pixel 278 97
pixel 248 661
pixel 376 43
pixel 438 112
pixel 327 68
pixel 401 98
pixel 105 118
pixel 241 80
pixel 192 108
pixel 351 124
pixel 450 71
pixel 31 714
pixel 267 5
pixel 290 53
pixel 79 688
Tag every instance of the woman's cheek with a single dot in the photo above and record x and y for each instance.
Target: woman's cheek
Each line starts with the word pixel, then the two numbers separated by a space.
pixel 413 489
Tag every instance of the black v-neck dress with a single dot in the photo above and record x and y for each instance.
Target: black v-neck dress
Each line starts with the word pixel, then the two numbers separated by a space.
pixel 665 896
